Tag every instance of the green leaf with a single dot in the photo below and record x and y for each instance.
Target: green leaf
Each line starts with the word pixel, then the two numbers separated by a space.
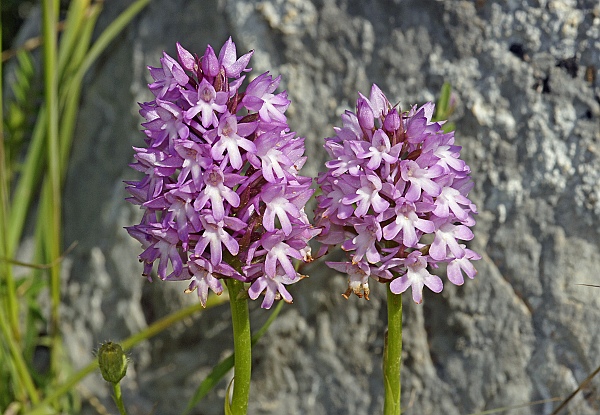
pixel 443 109
pixel 227 403
pixel 442 106
pixel 449 126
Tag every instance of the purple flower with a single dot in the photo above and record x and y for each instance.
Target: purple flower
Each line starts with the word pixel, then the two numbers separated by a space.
pixel 367 195
pixel 216 192
pixel 168 78
pixel 259 97
pixel 164 249
pixel 416 277
pixel 278 251
pixel 273 287
pixel 221 193
pixel 166 122
pixel 200 274
pixel 368 233
pixel 271 157
pixel 215 235
pixel 394 196
pixel 463 264
pixel 379 151
pixel 229 140
pixel 228 60
pixel 345 159
pixel 420 179
pixel 179 203
pixel 278 204
pixel 446 239
pixel 448 203
pixel 408 222
pixel 195 158
pixel 206 101
pixel 153 163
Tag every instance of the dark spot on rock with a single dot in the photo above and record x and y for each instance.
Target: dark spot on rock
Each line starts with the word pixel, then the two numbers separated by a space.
pixel 542 85
pixel 519 51
pixel 570 65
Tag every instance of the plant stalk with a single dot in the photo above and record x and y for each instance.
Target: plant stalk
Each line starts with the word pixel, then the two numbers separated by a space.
pixel 119 398
pixel 392 355
pixel 242 344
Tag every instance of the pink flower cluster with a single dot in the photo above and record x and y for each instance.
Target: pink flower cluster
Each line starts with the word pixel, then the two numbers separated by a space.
pixel 394 196
pixel 221 193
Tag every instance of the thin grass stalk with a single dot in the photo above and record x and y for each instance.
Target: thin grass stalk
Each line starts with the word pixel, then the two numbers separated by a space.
pixel 71 93
pixel 582 385
pixel 35 162
pixel 76 17
pixel 53 243
pixel 46 122
pixel 9 325
pixel 12 307
pixel 28 181
pixel 9 371
pixel 107 36
pixel 19 362
pixel 12 389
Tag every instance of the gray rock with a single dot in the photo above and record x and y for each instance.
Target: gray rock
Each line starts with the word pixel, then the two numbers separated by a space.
pixel 529 124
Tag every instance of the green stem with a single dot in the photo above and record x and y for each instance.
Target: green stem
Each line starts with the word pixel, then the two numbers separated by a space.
pixel 242 345
pixel 226 364
pixel 119 398
pixel 392 355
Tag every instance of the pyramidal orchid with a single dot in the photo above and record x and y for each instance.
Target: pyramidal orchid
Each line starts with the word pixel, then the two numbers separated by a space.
pixel 394 196
pixel 221 193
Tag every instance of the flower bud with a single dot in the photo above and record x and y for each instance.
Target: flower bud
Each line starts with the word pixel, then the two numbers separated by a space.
pixel 392 121
pixel 186 59
pixel 112 362
pixel 210 64
pixel 365 114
